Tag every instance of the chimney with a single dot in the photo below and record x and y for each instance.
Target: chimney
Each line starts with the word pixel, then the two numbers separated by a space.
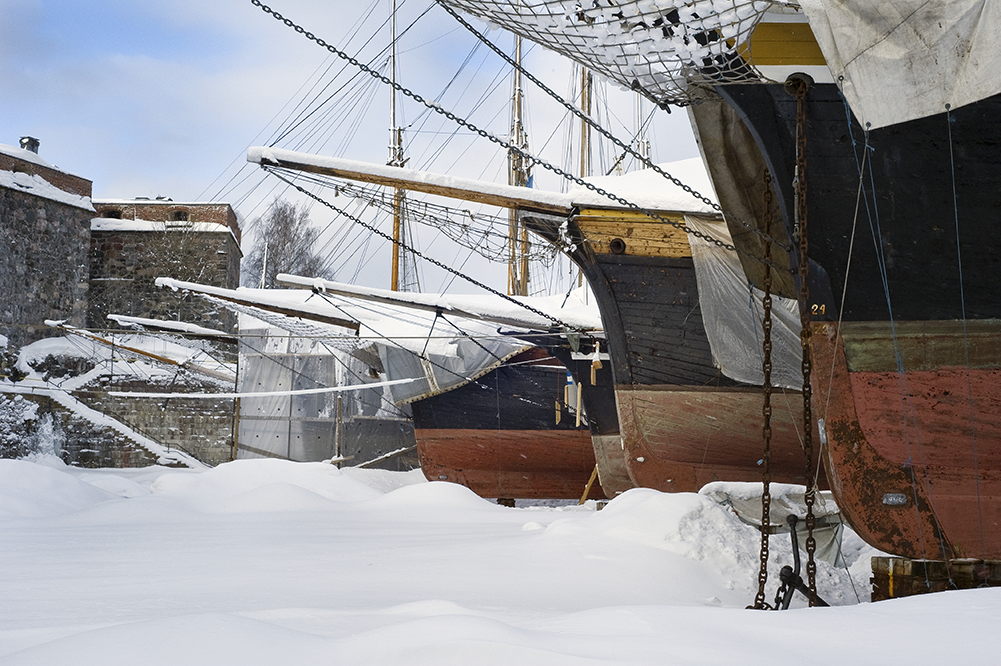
pixel 30 143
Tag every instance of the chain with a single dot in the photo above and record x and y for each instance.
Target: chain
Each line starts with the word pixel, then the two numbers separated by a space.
pixel 435 262
pixel 801 88
pixel 605 133
pixel 766 409
pixel 490 137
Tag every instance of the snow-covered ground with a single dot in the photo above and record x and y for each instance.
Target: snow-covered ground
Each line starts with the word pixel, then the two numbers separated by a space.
pixel 272 562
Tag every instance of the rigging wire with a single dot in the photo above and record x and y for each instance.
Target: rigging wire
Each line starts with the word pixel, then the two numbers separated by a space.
pixel 949 120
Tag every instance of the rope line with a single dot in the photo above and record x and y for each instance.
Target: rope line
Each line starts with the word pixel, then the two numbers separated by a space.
pixel 531 159
pixel 966 341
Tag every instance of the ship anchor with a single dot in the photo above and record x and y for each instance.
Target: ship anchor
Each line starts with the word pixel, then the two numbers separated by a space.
pixel 791 580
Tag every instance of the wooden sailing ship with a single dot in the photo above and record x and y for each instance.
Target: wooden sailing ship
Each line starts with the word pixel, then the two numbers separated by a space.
pixel 874 127
pixel 682 423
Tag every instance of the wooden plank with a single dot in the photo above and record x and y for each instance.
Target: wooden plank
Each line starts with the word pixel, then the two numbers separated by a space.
pixel 782 44
pixel 923 345
pixel 410 180
pixel 648 239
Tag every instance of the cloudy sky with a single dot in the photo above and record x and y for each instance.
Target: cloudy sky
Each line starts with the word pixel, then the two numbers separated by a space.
pixel 163 98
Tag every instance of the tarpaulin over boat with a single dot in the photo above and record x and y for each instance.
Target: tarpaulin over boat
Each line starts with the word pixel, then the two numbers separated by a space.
pixel 732 311
pixel 907 59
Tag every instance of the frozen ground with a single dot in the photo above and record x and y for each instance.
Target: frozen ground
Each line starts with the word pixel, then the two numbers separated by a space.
pixel 270 562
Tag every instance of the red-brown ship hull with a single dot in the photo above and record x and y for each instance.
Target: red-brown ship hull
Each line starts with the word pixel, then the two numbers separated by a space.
pixel 527 464
pixel 914 457
pixel 681 438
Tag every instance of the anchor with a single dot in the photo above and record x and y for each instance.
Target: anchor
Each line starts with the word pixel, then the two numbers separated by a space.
pixel 791 580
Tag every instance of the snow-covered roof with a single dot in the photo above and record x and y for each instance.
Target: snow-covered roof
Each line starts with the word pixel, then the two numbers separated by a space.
pixel 29 156
pixel 114 224
pixel 39 187
pixel 154 202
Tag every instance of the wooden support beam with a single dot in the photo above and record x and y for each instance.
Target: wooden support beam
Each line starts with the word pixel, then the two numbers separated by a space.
pixel 466 189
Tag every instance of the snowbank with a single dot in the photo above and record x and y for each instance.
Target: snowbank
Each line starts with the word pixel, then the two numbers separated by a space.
pixel 265 562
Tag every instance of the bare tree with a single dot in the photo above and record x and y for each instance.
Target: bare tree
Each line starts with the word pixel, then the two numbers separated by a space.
pixel 285 240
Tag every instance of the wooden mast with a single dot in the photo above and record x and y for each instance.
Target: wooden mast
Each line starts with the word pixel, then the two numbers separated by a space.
pixel 518 175
pixel 585 136
pixel 395 155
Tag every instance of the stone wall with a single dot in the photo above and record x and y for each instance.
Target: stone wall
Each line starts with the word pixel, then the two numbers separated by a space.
pixel 202 428
pixel 124 265
pixel 74 439
pixel 44 249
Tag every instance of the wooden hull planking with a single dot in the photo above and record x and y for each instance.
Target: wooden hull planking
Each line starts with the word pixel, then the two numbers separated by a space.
pixel 914 455
pixel 525 464
pixel 679 439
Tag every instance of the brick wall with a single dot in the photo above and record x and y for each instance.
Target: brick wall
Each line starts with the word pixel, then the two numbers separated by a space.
pixel 64 181
pixel 165 210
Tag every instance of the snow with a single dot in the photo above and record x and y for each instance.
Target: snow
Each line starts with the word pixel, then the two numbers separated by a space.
pixel 179 326
pixel 646 188
pixel 39 187
pixel 114 224
pixel 267 561
pixel 28 156
pixel 106 361
pixel 577 309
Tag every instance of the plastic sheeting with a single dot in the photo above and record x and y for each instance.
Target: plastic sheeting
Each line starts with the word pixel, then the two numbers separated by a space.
pixel 439 373
pixel 907 59
pixel 786 500
pixel 304 427
pixel 732 312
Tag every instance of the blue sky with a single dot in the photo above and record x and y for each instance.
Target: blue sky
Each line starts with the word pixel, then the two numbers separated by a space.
pixel 163 98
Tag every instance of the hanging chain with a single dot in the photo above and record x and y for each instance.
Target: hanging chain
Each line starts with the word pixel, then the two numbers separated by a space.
pixel 800 90
pixel 435 262
pixel 628 149
pixel 766 409
pixel 495 139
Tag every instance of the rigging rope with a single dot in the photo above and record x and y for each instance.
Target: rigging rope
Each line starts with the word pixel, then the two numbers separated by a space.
pixel 645 161
pixel 435 262
pixel 966 341
pixel 505 144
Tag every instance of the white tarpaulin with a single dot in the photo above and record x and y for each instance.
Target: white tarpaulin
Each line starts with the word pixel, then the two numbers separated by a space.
pixel 907 59
pixel 732 312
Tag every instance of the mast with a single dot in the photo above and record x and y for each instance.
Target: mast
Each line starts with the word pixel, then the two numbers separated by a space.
pixel 642 143
pixel 518 175
pixel 585 128
pixel 395 155
pixel 585 136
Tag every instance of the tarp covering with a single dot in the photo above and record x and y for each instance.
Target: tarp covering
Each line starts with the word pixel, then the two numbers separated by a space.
pixel 786 499
pixel 733 312
pixel 907 59
pixel 304 427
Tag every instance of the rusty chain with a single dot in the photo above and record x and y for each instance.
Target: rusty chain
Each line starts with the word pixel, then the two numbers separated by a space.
pixel 531 159
pixel 766 409
pixel 645 161
pixel 800 89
